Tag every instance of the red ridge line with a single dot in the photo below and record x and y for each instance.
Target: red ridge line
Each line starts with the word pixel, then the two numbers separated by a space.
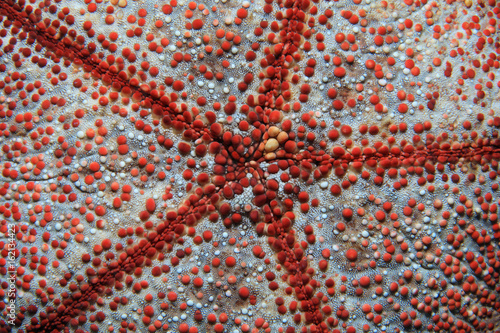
pixel 31 23
pixel 187 215
pixel 397 158
pixel 473 155
pixel 284 241
pixel 161 105
pixel 298 269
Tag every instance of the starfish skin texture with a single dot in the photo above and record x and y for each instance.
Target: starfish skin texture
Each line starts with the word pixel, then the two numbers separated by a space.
pixel 266 166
